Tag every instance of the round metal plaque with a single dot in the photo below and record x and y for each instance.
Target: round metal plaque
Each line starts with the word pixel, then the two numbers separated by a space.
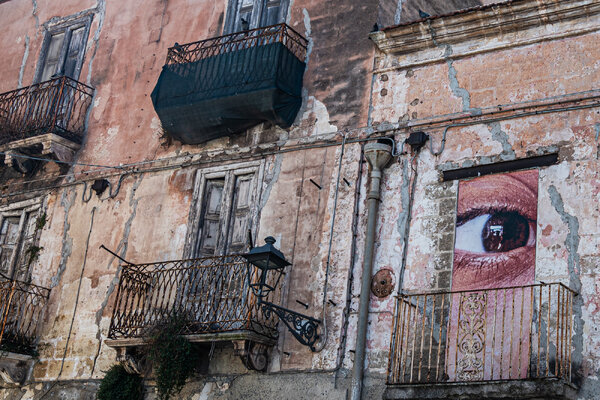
pixel 382 283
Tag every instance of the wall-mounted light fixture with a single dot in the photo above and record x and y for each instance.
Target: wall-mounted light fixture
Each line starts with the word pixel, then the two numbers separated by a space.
pixel 270 260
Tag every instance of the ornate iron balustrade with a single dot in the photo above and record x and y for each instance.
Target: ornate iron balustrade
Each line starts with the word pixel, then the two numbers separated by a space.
pixel 210 294
pixel 21 307
pixel 281 33
pixel 56 106
pixel 484 335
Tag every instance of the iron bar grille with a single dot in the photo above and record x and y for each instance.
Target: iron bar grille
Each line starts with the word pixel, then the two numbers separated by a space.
pixel 485 335
pixel 211 295
pixel 280 33
pixel 21 307
pixel 57 106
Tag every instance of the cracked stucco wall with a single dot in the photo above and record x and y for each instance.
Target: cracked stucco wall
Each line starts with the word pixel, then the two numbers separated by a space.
pixel 568 225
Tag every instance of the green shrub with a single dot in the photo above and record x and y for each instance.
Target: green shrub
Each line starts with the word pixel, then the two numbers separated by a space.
pixel 118 384
pixel 173 357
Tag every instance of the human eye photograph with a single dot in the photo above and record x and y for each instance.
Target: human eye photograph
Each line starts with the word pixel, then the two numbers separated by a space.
pixel 495 236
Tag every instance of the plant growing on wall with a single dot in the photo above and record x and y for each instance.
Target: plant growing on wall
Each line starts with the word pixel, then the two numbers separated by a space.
pixel 118 384
pixel 173 357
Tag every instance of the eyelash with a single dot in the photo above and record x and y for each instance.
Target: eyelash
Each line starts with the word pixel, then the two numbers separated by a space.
pixel 476 212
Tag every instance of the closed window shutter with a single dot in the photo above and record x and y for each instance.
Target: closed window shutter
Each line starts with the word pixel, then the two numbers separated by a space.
pixel 239 220
pixel 271 14
pixel 210 219
pixel 27 252
pixel 73 53
pixel 9 237
pixel 52 62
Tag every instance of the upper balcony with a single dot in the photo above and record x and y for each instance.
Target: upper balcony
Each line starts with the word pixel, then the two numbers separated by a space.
pixel 45 118
pixel 21 308
pixel 212 295
pixel 512 343
pixel 225 85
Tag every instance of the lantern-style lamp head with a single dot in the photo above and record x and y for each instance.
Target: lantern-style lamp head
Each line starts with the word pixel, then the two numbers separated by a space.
pixel 266 258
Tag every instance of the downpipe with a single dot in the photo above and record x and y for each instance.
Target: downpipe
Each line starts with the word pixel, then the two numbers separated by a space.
pixel 378 156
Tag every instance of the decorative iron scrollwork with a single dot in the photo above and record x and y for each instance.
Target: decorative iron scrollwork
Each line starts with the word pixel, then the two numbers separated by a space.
pixel 471 336
pixel 304 328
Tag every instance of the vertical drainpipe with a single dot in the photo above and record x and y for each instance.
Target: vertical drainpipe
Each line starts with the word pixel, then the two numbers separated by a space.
pixel 378 155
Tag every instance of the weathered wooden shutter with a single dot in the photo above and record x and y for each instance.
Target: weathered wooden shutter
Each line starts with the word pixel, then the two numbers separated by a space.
pixel 74 53
pixel 246 9
pixel 210 218
pixel 271 13
pixel 53 58
pixel 9 238
pixel 27 252
pixel 240 217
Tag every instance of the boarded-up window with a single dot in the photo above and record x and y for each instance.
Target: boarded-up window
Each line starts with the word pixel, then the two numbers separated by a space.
pixel 250 14
pixel 63 50
pixel 225 211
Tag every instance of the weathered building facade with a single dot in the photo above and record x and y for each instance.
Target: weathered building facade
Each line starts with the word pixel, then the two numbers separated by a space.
pixel 356 147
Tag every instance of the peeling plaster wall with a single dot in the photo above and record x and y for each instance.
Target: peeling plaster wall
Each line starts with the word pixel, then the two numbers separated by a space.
pixel 439 89
pixel 147 220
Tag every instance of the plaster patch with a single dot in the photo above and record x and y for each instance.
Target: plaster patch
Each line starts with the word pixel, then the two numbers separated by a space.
pixel 101 11
pixel 322 118
pixel 308 34
pixel 23 62
pixel 203 395
pixel 501 137
pixel 572 244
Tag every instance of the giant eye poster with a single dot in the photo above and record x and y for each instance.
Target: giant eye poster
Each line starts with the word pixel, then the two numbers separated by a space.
pixel 494 261
pixel 495 231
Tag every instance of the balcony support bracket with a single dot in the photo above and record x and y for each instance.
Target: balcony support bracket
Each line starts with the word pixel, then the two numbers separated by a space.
pixel 48 145
pixel 126 358
pixel 254 355
pixel 304 328
pixel 14 367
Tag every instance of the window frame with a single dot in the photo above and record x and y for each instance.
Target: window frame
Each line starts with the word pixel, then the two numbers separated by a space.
pixel 228 173
pixel 67 27
pixel 258 16
pixel 21 209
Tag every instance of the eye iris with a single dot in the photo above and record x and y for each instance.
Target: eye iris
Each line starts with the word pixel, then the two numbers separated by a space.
pixel 505 231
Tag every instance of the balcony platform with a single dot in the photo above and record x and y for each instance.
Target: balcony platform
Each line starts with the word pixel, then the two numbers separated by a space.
pixel 200 338
pixel 539 389
pixel 49 144
pixel 225 85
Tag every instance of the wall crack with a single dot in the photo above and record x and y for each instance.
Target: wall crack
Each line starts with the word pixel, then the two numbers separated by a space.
pixel 573 262
pixel 67 242
pixel 502 137
pixel 122 251
pixel 455 87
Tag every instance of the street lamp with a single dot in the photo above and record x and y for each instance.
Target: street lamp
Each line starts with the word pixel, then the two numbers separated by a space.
pixel 268 259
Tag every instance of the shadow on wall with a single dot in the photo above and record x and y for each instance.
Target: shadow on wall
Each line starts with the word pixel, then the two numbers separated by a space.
pixel 394 12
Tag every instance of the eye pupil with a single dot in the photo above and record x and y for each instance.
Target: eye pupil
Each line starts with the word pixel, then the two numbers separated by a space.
pixel 505 231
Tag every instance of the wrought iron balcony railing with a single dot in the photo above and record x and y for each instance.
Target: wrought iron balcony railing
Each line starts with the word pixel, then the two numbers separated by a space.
pixel 281 33
pixel 224 85
pixel 211 295
pixel 21 308
pixel 514 333
pixel 56 106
